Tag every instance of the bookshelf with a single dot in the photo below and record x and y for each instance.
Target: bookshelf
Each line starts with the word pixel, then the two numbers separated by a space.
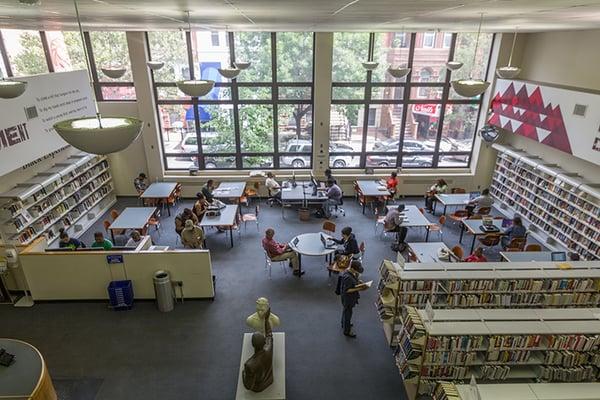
pixel 482 285
pixel 560 209
pixel 507 345
pixel 518 391
pixel 72 194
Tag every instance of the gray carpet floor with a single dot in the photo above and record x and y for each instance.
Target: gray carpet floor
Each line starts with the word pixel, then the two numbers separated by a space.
pixel 193 352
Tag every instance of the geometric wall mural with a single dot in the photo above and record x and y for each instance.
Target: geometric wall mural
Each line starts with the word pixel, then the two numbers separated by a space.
pixel 567 120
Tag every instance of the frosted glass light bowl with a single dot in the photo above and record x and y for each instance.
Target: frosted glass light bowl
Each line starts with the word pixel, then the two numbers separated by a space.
pixel 454 65
pixel 508 72
pixel 229 73
pixel 11 89
pixel 470 87
pixel 155 65
pixel 85 133
pixel 398 72
pixel 370 65
pixel 114 73
pixel 196 88
pixel 242 65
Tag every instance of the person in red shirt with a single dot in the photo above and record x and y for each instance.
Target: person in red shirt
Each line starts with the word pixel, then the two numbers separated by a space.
pixel 477 256
pixel 392 183
pixel 280 251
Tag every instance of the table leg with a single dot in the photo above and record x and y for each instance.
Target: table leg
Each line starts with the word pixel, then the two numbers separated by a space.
pixel 473 244
pixel 427 235
pixel 231 235
pixel 112 235
pixel 168 208
pixel 364 204
pixel 299 265
pixel 445 209
pixel 462 231
pixel 434 205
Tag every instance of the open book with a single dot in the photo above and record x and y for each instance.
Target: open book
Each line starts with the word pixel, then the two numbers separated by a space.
pixel 364 285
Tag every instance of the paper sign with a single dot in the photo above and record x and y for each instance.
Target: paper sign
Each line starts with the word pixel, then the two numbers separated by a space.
pixel 114 259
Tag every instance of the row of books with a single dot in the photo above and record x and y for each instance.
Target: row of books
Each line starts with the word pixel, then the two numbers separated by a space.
pixel 509 356
pixel 446 391
pixel 570 358
pixel 511 342
pixel 445 372
pixel 455 343
pixel 519 299
pixel 494 372
pixel 451 357
pixel 572 374
pixel 574 342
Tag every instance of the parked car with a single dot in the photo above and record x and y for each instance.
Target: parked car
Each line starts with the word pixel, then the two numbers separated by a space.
pixel 411 146
pixel 305 146
pixel 375 160
pixel 189 144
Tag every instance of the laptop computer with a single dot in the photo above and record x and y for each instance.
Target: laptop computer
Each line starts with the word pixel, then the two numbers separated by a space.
pixel 324 241
pixel 295 242
pixel 558 256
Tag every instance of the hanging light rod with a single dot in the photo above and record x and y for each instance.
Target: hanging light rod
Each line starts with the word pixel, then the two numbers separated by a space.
pixel 339 10
pixel 509 72
pixel 471 87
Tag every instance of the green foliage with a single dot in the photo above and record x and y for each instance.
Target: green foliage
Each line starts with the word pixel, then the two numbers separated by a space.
pixel 170 48
pixel 30 60
pixel 110 50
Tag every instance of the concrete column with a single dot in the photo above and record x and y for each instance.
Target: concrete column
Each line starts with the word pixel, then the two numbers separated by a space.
pixel 322 101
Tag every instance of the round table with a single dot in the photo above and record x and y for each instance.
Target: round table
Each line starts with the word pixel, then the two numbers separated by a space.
pixel 309 244
pixel 27 377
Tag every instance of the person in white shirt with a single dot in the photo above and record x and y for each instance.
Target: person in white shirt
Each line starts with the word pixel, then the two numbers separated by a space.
pixel 134 239
pixel 273 186
pixel 479 202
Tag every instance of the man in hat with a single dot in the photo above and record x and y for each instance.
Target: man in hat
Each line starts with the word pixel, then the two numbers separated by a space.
pixel 192 236
pixel 348 291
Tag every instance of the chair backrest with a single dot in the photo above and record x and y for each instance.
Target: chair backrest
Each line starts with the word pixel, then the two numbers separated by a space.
pixel 476 216
pixel 458 190
pixel 490 240
pixel 267 257
pixel 458 252
pixel 329 226
pixel 517 243
pixel 106 224
pixel 533 247
pixel 422 210
pixel 484 210
pixel 114 214
pixel 442 220
pixel 460 213
pixel 256 185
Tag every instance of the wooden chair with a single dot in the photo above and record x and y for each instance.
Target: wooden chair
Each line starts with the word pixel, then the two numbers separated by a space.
pixel 533 247
pixel 458 252
pixel 438 227
pixel 476 216
pixel 114 214
pixel 517 243
pixel 249 217
pixel 490 240
pixel 328 227
pixel 484 211
pixel 252 191
pixel 459 216
pixel 107 224
pixel 457 191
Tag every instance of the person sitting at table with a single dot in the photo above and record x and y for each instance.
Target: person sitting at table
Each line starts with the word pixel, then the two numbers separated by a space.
pixel 140 183
pixel 192 236
pixel 349 244
pixel 200 206
pixel 329 176
pixel 476 256
pixel 100 241
pixel 66 242
pixel 280 251
pixel 334 197
pixel 574 256
pixel 272 186
pixel 479 202
pixel 392 184
pixel 135 238
pixel 181 218
pixel 207 190
pixel 516 230
pixel 439 187
pixel 393 223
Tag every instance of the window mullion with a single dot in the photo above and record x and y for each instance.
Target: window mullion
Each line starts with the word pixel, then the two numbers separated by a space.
pixel 274 98
pixel 92 65
pixel 236 105
pixel 46 49
pixel 406 99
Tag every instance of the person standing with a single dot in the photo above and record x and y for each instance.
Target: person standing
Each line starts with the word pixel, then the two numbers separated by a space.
pixel 348 291
pixel 334 197
pixel 280 251
pixel 440 187
pixel 393 223
pixel 140 183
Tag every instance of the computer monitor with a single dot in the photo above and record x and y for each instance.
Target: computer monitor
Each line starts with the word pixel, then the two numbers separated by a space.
pixel 295 242
pixel 558 256
pixel 314 180
pixel 323 240
pixel 474 195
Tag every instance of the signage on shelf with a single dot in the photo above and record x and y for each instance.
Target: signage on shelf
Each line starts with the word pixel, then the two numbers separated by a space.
pixel 26 122
pixel 114 259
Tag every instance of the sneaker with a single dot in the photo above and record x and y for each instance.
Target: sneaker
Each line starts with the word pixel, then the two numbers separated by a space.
pixel 298 273
pixel 350 334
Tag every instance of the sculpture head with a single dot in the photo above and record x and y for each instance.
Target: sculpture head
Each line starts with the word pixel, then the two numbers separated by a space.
pixel 262 306
pixel 258 341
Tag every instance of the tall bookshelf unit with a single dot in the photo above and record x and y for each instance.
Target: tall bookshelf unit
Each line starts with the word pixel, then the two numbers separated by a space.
pixel 559 208
pixel 72 194
pixel 520 391
pixel 503 345
pixel 483 285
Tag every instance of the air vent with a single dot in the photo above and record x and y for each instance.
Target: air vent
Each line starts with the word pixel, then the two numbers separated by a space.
pixel 580 110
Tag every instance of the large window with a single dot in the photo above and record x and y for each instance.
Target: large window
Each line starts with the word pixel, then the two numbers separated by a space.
pixel 24 52
pixel 413 122
pixel 260 120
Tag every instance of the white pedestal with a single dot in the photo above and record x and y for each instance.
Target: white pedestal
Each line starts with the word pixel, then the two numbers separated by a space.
pixel 277 390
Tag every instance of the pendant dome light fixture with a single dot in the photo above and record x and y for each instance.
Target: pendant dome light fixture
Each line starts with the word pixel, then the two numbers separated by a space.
pixel 402 70
pixel 370 65
pixel 155 65
pixel 195 87
pixel 97 134
pixel 10 89
pixel 509 72
pixel 454 65
pixel 233 70
pixel 471 87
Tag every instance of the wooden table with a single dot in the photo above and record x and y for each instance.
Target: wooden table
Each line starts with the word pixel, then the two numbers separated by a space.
pixel 372 189
pixel 160 191
pixel 414 218
pixel 427 251
pixel 301 194
pixel 227 219
pixel 27 377
pixel 132 218
pixel 309 244
pixel 473 226
pixel 461 199
pixel 229 191
pixel 523 256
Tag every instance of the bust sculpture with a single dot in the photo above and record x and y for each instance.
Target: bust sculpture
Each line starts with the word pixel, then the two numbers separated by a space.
pixel 258 369
pixel 256 321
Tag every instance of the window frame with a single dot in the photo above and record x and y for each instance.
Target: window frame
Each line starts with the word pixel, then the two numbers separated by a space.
pixel 427 35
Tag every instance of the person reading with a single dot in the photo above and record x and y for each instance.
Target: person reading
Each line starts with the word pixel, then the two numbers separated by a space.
pixel 393 223
pixel 439 187
pixel 100 241
pixel 479 202
pixel 66 242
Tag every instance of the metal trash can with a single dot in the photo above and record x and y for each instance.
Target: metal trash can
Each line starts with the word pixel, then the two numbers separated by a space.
pixel 163 291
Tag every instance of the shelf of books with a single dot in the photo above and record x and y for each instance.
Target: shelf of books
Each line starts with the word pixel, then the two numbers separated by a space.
pixel 483 285
pixel 558 207
pixel 71 195
pixel 503 345
pixel 518 391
